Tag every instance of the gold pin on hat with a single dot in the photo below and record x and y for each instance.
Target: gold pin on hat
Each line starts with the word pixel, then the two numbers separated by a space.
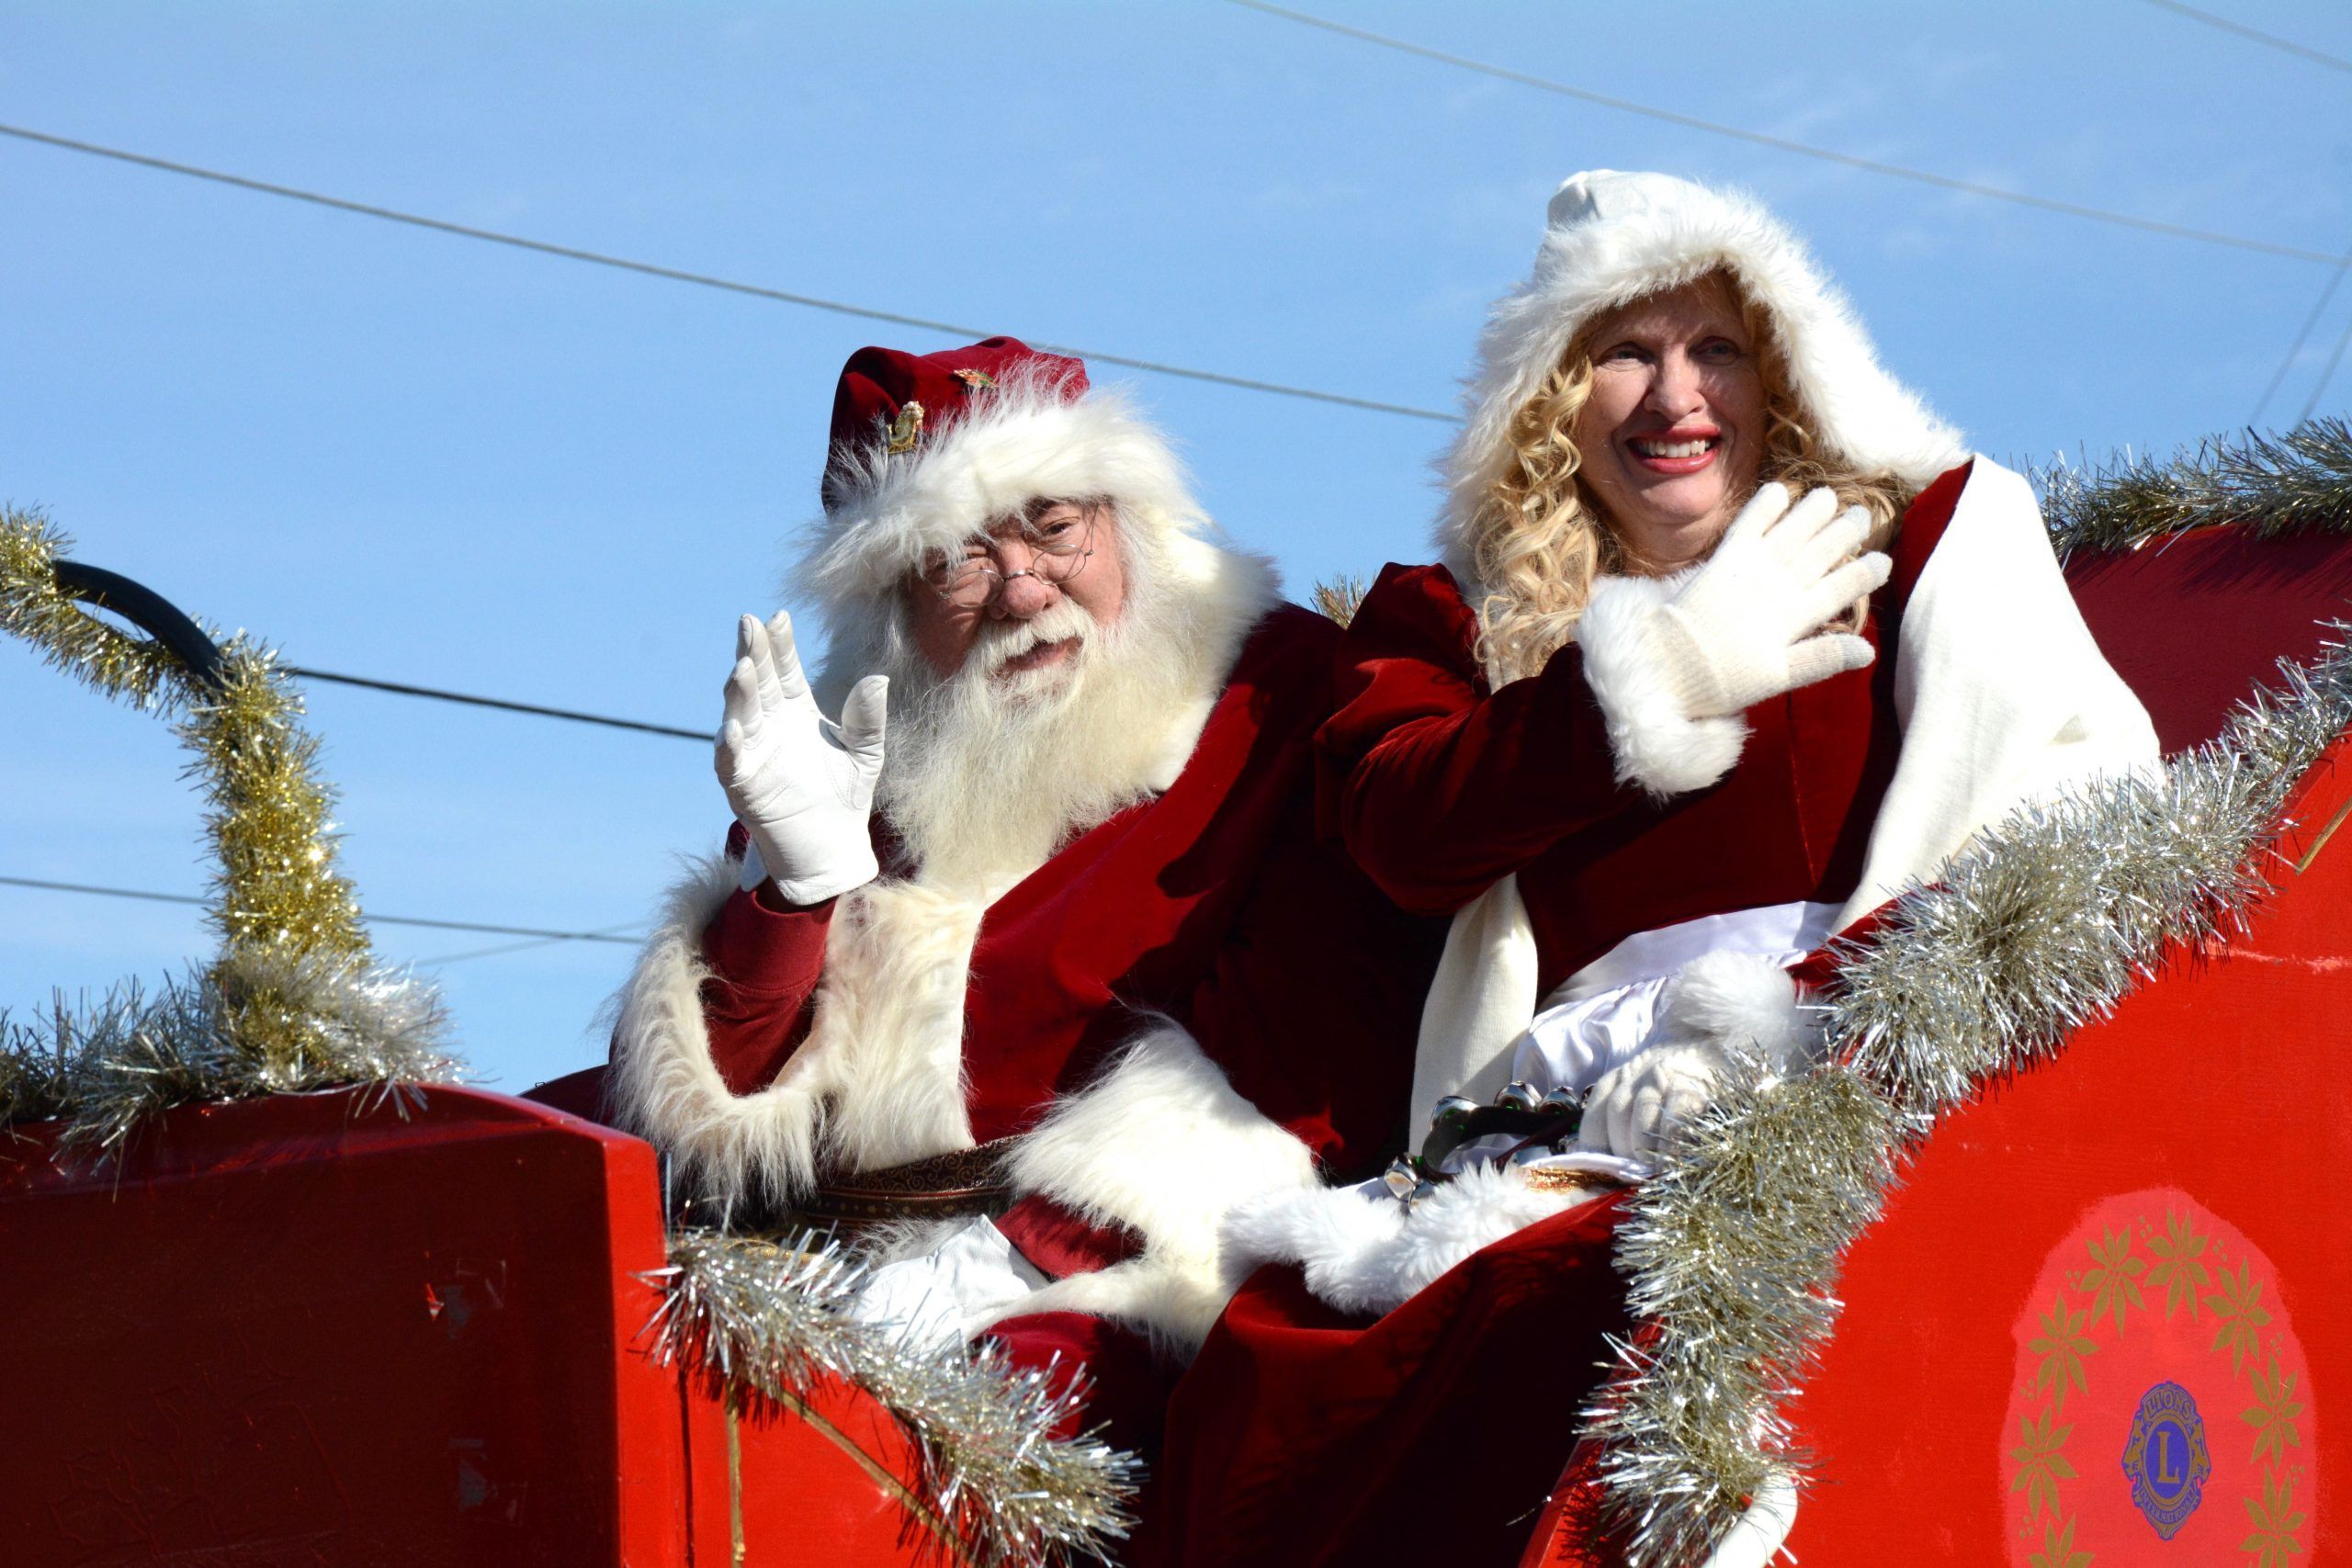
pixel 978 380
pixel 906 429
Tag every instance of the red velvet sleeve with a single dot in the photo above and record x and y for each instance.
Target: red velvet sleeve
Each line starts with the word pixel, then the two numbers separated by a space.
pixel 1438 787
pixel 764 960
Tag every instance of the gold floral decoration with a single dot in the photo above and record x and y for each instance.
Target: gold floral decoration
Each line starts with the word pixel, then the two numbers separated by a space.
pixel 2058 1550
pixel 2238 1303
pixel 2272 1415
pixel 2061 1347
pixel 2179 1270
pixel 2274 1521
pixel 2042 1461
pixel 2114 1285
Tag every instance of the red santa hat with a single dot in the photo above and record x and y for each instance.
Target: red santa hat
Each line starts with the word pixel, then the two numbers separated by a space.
pixel 1611 238
pixel 928 450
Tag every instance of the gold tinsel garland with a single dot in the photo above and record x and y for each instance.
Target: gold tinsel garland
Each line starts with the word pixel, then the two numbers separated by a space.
pixel 294 1001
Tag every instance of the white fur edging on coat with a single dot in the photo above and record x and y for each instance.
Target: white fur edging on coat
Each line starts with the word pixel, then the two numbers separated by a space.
pixel 1159 1142
pixel 878 1081
pixel 1371 1255
pixel 1655 743
pixel 663 1086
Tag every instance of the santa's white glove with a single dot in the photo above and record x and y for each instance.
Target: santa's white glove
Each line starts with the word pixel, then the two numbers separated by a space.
pixel 804 801
pixel 1635 1109
pixel 1748 624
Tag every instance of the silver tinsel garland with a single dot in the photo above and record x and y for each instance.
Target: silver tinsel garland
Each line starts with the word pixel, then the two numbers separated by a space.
pixel 774 1317
pixel 2039 927
pixel 2297 482
pixel 104 1067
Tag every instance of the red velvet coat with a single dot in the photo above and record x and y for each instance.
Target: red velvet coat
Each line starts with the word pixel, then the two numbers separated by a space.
pixel 1440 788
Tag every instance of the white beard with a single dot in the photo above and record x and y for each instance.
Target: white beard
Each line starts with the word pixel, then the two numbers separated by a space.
pixel 986 775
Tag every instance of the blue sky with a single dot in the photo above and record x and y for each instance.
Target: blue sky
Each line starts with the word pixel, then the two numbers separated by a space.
pixel 426 459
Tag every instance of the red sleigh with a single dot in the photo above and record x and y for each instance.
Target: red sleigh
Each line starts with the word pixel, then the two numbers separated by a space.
pixel 286 1332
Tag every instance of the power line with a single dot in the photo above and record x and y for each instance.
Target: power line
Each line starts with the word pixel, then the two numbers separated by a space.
pixel 574 715
pixel 2273 40
pixel 1783 144
pixel 2296 348
pixel 699 279
pixel 2327 374
pixel 152 897
pixel 504 948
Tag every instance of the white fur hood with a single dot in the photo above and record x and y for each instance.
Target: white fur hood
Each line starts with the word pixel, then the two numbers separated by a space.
pixel 1611 238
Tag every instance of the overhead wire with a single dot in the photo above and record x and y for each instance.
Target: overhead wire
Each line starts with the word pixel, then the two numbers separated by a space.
pixel 2289 46
pixel 402 688
pixel 1786 144
pixel 701 279
pixel 2303 336
pixel 441 960
pixel 2326 375
pixel 148 896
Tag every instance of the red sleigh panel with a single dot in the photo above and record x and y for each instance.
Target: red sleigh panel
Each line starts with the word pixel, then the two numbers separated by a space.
pixel 2164 1204
pixel 282 1333
pixel 2107 1313
pixel 285 1333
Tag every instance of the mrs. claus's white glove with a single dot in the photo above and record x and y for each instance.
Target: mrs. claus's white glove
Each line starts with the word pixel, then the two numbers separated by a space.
pixel 1636 1108
pixel 804 800
pixel 1748 624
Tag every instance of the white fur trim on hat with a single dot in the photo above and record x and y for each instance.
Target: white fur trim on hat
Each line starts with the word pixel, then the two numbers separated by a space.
pixel 1612 238
pixel 893 515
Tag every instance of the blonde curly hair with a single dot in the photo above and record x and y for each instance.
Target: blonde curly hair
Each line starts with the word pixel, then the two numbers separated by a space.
pixel 1540 538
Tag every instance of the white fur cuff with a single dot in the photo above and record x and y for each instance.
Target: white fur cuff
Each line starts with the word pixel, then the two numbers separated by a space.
pixel 1163 1144
pixel 1739 1001
pixel 1365 1254
pixel 1655 742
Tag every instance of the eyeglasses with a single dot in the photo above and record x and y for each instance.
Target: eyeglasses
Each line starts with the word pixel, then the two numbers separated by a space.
pixel 1059 549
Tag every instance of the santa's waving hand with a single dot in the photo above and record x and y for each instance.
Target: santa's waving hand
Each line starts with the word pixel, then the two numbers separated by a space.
pixel 804 801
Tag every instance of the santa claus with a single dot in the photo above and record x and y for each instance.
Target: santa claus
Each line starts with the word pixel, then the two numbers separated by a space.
pixel 1035 977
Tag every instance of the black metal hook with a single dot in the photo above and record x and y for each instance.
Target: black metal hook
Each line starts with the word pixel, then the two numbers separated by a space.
pixel 147 610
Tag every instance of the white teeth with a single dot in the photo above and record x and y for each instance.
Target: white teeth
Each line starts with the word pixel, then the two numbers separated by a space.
pixel 1672 448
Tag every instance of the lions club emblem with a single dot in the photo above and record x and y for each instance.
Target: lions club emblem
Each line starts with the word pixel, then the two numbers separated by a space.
pixel 2166 1456
pixel 2162 1410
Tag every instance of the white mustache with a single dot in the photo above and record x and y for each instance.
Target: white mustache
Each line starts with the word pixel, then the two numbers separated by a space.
pixel 1004 641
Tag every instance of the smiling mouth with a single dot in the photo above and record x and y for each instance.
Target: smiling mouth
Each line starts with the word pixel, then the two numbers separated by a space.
pixel 1684 447
pixel 1676 454
pixel 1038 657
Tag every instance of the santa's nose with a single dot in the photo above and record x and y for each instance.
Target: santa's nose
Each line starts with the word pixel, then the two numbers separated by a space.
pixel 1024 595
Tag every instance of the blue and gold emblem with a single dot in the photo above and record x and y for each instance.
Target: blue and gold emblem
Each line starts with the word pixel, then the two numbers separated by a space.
pixel 2165 1457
